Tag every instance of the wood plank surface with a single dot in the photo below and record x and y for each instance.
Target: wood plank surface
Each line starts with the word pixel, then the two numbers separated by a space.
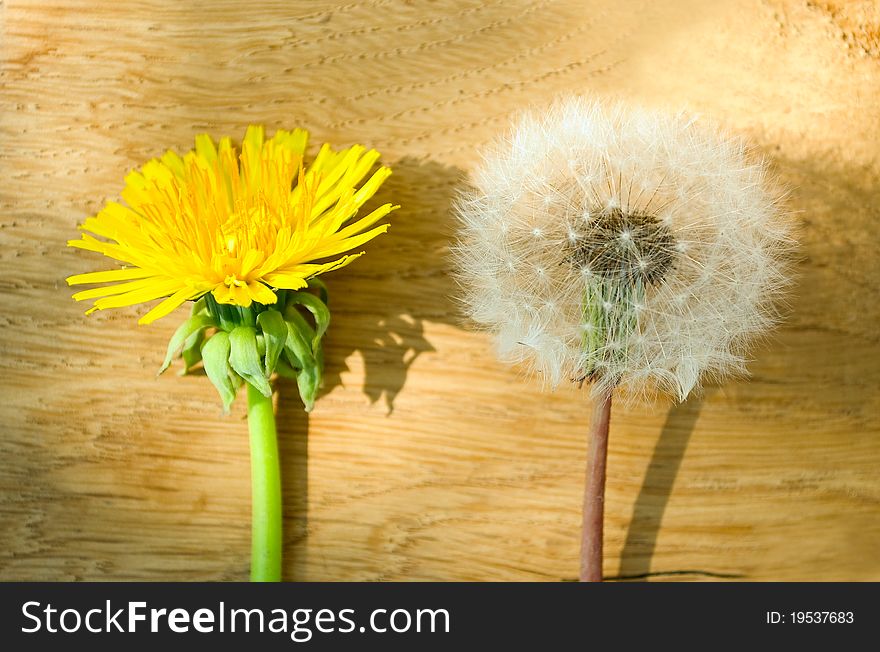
pixel 425 459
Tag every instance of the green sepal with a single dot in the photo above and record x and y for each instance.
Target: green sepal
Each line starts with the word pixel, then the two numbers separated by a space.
pixel 285 370
pixel 215 355
pixel 187 329
pixel 226 315
pixel 274 336
pixel 192 351
pixel 245 359
pixel 319 311
pixel 308 362
pixel 251 344
pixel 237 381
pixel 308 381
pixel 298 345
pixel 318 284
pixel 199 306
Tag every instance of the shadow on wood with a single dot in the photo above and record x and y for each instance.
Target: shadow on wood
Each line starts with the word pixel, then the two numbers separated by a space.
pixel 378 306
pixel 641 536
pixel 293 449
pixel 381 302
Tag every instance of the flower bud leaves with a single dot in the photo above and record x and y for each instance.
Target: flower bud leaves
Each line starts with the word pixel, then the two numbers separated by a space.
pixel 215 356
pixel 184 332
pixel 250 344
pixel 274 336
pixel 319 311
pixel 245 359
pixel 192 351
pixel 304 356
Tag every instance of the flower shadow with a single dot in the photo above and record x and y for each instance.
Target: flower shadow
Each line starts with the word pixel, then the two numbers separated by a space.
pixel 653 497
pixel 379 306
pixel 380 303
pixel 293 449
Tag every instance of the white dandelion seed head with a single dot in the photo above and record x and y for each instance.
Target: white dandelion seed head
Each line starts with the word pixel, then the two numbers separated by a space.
pixel 621 246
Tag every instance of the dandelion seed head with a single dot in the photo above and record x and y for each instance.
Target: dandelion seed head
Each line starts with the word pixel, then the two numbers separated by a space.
pixel 661 253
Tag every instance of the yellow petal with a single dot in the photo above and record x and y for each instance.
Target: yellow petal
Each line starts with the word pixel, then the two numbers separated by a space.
pixel 223 294
pixel 241 296
pixel 173 162
pixel 254 136
pixel 364 222
pixel 325 154
pixel 205 148
pixel 152 291
pixel 293 278
pixel 338 246
pixel 294 141
pixel 285 281
pixel 370 187
pixel 251 259
pixel 233 294
pixel 250 156
pixel 359 171
pixel 110 290
pixel 109 276
pixel 166 306
pixel 260 293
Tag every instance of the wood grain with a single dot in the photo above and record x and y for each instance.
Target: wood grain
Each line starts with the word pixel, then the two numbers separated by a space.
pixel 426 459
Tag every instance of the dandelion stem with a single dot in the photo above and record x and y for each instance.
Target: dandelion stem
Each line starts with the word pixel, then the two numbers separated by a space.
pixel 265 489
pixel 594 491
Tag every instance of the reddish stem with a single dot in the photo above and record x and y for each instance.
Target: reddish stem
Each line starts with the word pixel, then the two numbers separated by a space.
pixel 594 491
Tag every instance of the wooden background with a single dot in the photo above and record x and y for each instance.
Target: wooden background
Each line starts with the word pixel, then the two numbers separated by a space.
pixel 426 459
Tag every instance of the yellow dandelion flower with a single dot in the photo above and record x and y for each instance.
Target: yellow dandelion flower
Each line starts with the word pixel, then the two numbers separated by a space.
pixel 238 225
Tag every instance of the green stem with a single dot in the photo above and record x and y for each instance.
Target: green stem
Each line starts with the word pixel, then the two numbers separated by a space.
pixel 265 489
